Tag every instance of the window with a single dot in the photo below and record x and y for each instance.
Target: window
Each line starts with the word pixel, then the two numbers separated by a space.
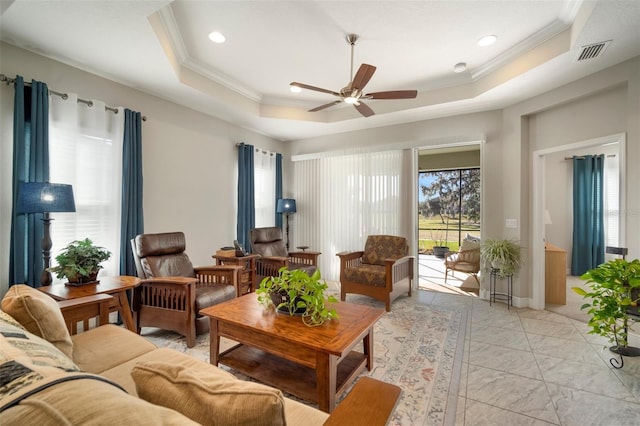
pixel 264 165
pixel 85 150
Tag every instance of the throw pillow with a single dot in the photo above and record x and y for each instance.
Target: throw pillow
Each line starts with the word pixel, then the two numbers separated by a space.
pixel 39 314
pixel 469 245
pixel 206 397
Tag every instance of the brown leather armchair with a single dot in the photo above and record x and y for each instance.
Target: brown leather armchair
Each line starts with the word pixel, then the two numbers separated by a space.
pixel 173 291
pixel 269 244
pixel 466 260
pixel 384 270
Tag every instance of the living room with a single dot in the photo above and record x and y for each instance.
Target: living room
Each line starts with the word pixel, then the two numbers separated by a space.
pixel 190 156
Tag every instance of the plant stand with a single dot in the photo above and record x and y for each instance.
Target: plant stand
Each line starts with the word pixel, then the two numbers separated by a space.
pixel 493 294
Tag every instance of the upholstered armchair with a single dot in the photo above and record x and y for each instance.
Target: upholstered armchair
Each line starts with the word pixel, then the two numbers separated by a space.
pixel 173 291
pixel 466 259
pixel 269 244
pixel 384 270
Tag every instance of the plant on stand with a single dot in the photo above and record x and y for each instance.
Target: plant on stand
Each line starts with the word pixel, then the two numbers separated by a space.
pixel 502 255
pixel 614 289
pixel 440 248
pixel 297 293
pixel 80 262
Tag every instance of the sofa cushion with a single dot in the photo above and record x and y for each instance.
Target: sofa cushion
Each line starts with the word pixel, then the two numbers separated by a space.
pixel 206 397
pixel 107 346
pixel 16 343
pixel 381 247
pixel 374 275
pixel 38 313
pixel 88 402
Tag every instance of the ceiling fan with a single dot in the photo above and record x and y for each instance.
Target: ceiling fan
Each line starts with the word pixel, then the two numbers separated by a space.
pixel 353 93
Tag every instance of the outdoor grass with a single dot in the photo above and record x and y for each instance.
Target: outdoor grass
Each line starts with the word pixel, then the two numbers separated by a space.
pixel 433 228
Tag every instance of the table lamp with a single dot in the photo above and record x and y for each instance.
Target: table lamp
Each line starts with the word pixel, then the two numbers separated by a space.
pixel 45 197
pixel 286 206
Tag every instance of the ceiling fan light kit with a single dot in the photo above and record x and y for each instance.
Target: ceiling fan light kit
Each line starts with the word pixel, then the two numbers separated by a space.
pixel 353 93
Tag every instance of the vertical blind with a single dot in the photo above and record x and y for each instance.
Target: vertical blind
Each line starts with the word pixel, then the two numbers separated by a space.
pixel 85 150
pixel 611 201
pixel 264 165
pixel 343 199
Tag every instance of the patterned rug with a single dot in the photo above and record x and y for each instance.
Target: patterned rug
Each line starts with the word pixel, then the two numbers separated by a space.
pixel 417 347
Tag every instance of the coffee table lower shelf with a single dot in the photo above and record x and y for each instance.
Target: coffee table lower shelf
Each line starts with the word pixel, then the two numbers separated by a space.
pixel 289 376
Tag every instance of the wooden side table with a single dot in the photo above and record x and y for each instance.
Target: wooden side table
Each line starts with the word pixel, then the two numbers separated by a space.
pixel 247 276
pixel 555 274
pixel 116 286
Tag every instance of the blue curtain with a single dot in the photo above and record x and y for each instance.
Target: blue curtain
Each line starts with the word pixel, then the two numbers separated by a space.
pixel 132 217
pixel 588 215
pixel 30 164
pixel 246 200
pixel 278 187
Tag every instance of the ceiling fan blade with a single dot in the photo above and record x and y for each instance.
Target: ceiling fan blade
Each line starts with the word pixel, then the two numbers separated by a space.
pixel 393 94
pixel 330 104
pixel 317 89
pixel 364 109
pixel 364 74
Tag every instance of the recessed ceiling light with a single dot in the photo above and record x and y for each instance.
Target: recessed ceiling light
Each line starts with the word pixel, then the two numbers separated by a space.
pixel 487 40
pixel 217 37
pixel 460 67
pixel 295 89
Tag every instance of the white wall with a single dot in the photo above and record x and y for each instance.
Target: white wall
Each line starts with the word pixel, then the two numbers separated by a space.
pixel 189 158
pixel 601 104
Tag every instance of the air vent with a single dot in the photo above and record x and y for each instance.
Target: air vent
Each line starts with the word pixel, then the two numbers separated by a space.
pixel 592 51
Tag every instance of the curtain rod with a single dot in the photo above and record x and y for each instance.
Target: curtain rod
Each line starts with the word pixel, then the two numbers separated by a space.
pixel 582 158
pixel 64 96
pixel 259 150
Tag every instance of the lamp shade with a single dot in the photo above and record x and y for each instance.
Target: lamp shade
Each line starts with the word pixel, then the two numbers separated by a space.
pixel 286 205
pixel 45 197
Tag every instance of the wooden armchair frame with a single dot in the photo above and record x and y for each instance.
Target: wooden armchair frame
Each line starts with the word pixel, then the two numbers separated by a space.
pixel 398 278
pixel 169 302
pixel 268 266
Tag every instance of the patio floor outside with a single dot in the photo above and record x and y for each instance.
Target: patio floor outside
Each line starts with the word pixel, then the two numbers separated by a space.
pixel 431 273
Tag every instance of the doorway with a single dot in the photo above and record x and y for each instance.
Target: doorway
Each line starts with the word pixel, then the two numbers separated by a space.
pixel 543 200
pixel 449 210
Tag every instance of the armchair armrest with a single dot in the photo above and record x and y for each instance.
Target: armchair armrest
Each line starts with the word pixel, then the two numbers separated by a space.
pixel 83 309
pixel 398 270
pixel 346 255
pixel 306 257
pixel 220 274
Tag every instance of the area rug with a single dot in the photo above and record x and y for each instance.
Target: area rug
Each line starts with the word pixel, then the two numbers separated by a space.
pixel 416 347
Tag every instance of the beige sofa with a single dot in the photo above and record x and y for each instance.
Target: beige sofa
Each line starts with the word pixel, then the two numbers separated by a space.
pixel 109 375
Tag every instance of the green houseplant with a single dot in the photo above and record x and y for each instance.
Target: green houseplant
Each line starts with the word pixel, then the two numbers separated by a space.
pixel 614 289
pixel 296 292
pixel 80 262
pixel 501 254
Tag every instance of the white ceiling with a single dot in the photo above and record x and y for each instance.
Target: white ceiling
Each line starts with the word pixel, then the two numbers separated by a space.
pixel 161 47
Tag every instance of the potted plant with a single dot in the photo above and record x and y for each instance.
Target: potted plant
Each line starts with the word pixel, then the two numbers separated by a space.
pixel 296 292
pixel 440 248
pixel 502 255
pixel 614 291
pixel 80 262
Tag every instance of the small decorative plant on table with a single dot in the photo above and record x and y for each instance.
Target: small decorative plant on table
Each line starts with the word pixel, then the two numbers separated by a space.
pixel 614 291
pixel 503 256
pixel 296 293
pixel 80 262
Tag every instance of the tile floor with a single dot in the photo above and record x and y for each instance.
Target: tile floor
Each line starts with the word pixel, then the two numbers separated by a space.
pixel 531 367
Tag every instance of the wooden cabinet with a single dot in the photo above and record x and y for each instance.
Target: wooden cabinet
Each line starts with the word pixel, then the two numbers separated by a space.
pixel 248 275
pixel 555 275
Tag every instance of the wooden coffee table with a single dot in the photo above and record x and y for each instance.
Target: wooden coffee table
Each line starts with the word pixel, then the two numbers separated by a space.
pixel 312 363
pixel 116 286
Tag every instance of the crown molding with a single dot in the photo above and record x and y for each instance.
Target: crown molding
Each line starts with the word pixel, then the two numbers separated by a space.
pixel 529 43
pixel 168 21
